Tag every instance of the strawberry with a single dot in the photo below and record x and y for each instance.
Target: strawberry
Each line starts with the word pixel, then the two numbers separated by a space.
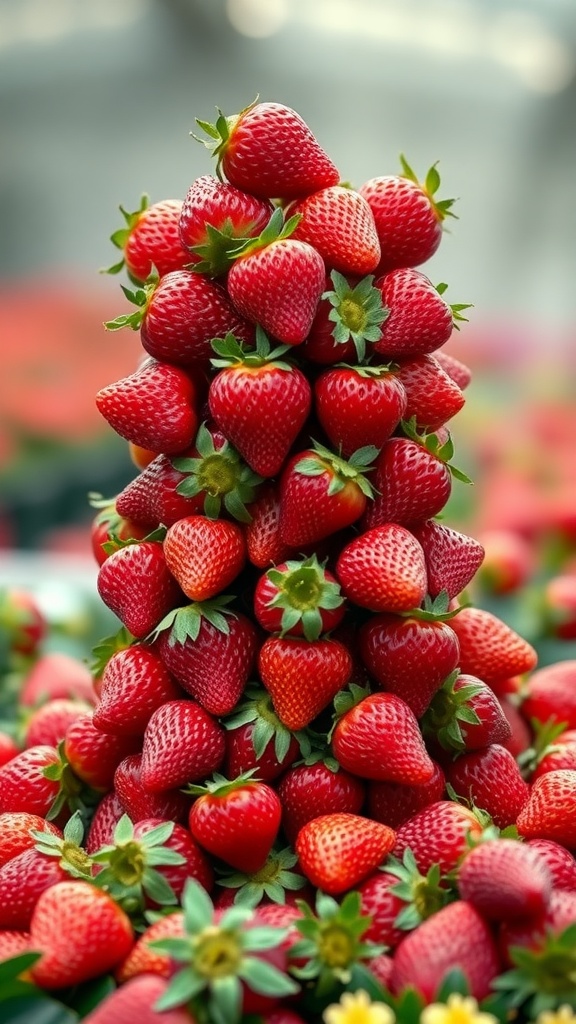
pixel 419 321
pixel 153 497
pixel 105 818
pixel 259 401
pixel 109 528
pixel 336 851
pixel 409 656
pixel 150 240
pixel 300 598
pixel 135 682
pixel 452 558
pixel 339 223
pixel 559 753
pixel 204 555
pixel 93 754
pixel 211 651
pixel 560 863
pixel 155 407
pixel 394 803
pixel 302 677
pixel 349 314
pixel 490 778
pixel 48 723
pixel 236 821
pixel 439 833
pixel 455 368
pixel 144 958
pixel 537 934
pixel 23 784
pixel 136 584
pixel 22 619
pixel 8 748
pixel 508 561
pixel 398 898
pixel 57 674
pixel 134 1001
pixel 560 605
pixel 550 693
pixel 317 788
pixel 15 829
pixel 489 647
pixel 320 493
pixel 178 317
pixel 357 739
pixel 257 741
pixel 408 218
pixel 505 880
pixel 13 944
pixel 359 406
pixel 141 457
pixel 264 544
pixel 215 217
pixel 276 281
pixel 464 714
pixel 549 811
pixel 432 397
pixel 182 743
pixel 383 569
pixel 269 150
pixel 138 802
pixel 80 932
pixel 456 937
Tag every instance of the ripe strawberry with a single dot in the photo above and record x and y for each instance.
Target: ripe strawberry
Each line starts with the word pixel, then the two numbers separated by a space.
pixel 8 748
pixel 321 493
pixel 432 397
pixel 22 880
pixel 210 650
pixel 109 528
pixel 358 746
pixel 204 555
pixel 439 833
pixel 215 217
pixel 264 544
pixel 268 150
pixel 182 743
pixel 300 598
pixel 550 693
pixel 22 619
pixel 155 407
pixel 136 584
pixel 141 457
pixel 336 851
pixel 135 682
pixel 419 321
pixel 560 863
pixel 508 561
pixel 276 281
pixel 302 677
pixel 408 217
pixel 505 880
pixel 23 785
pixel 106 816
pixel 57 674
pixel 455 368
pixel 359 405
pixel 464 714
pixel 339 223
pixel 150 240
pixel 13 944
pixel 236 821
pixel 15 829
pixel 456 937
pixel 144 958
pixel 140 803
pixel 409 656
pixel 490 778
pixel 560 605
pixel 452 558
pixel 308 791
pixel 134 1001
pixel 394 803
pixel 383 569
pixel 48 723
pixel 94 755
pixel 549 811
pixel 80 932
pixel 489 648
pixel 257 741
pixel 520 738
pixel 559 752
pixel 258 401
pixel 349 314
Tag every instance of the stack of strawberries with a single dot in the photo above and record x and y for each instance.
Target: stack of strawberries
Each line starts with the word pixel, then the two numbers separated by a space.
pixel 301 791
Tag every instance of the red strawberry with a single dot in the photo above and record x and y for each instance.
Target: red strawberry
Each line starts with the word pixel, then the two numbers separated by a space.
pixel 489 647
pixel 308 791
pixel 438 834
pixel 152 497
pixel 349 314
pixel 140 803
pixel 150 240
pixel 23 785
pixel 560 605
pixel 321 494
pixel 106 816
pixel 537 941
pixel 15 829
pixel 268 150
pixel 456 370
pixel 508 563
pixel 182 743
pixel 8 748
pixel 136 584
pixel 336 851
pixel 560 863
pixel 550 810
pixel 408 218
pixel 22 619
pixel 80 932
pixel 394 803
pixel 490 778
pixel 155 407
pixel 135 682
pixel 48 724
pixel 256 740
pixel 204 555
pixel 339 223
pixel 300 598
pixel 211 651
pixel 419 321
pixel 22 880
pixel 505 880
pixel 432 396
pixel 559 753
pixel 134 1001
pixel 144 958
pixel 452 558
pixel 359 405
pixel 409 656
pixel 13 944
pixel 456 937
pixel 383 569
pixel 263 541
pixel 236 821
pixel 57 674
pixel 358 745
pixel 258 401
pixel 215 216
pixel 94 755
pixel 109 528
pixel 277 281
pixel 465 714
pixel 302 677
pixel 550 693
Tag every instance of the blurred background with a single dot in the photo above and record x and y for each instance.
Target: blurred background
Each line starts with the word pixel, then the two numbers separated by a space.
pixel 97 102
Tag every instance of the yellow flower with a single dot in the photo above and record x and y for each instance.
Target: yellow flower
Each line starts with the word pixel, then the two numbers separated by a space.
pixel 564 1015
pixel 358 1008
pixel 456 1010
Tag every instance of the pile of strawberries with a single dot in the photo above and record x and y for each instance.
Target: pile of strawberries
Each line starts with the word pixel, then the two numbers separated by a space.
pixel 305 785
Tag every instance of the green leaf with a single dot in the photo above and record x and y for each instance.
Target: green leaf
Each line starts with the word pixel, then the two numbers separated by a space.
pixel 226 999
pixel 182 988
pixel 265 979
pixel 197 906
pixel 159 835
pixel 124 831
pixel 35 1009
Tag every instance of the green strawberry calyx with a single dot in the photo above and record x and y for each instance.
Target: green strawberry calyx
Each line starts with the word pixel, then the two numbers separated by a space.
pixel 107 647
pixel 120 237
pixel 320 460
pixel 343 702
pixel 232 354
pixel 302 592
pixel 456 307
pixel 257 708
pixel 441 450
pixel 140 297
pixel 220 786
pixel 73 792
pixel 221 475
pixel 430 185
pixel 542 979
pixel 68 849
pixel 270 882
pixel 218 251
pixel 276 230
pixel 449 709
pixel 184 623
pixel 129 873
pixel 545 735
pixel 219 133
pixel 332 942
pixel 435 609
pixel 216 957
pixel 358 312
pixel 423 895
